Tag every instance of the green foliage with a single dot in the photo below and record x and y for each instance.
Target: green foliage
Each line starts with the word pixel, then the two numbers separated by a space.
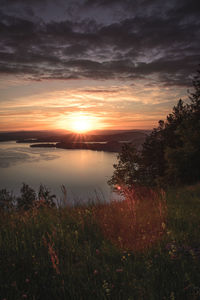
pixel 171 153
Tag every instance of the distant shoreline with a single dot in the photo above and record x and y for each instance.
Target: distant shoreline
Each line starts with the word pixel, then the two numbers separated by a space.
pixel 107 146
pixel 111 142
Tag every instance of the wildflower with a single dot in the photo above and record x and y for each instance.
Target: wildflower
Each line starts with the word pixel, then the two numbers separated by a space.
pixel 95 272
pixel 53 255
pixel 54 259
pixel 88 212
pixel 172 296
pixel 192 252
pixel 119 270
pixel 97 251
pixel 123 257
pixel 24 296
pixel 106 287
pixel 27 280
pixel 163 225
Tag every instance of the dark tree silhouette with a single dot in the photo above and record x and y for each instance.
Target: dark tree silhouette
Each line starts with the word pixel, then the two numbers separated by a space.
pixel 171 153
pixel 7 200
pixel 45 195
pixel 27 198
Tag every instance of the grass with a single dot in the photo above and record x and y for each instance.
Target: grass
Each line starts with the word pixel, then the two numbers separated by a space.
pixel 146 247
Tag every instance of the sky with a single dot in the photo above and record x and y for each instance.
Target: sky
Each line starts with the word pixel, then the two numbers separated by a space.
pixel 106 64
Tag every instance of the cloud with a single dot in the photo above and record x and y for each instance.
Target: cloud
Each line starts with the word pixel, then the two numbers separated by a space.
pixel 126 47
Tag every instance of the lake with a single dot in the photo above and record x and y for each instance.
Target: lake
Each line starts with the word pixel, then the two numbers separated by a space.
pixel 84 173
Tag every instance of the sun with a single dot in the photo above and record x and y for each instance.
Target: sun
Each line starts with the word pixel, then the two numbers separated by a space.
pixel 81 124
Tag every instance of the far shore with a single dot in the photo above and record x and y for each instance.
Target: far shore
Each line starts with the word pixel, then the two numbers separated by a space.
pixel 112 146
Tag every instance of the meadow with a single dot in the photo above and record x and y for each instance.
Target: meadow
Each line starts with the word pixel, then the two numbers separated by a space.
pixel 145 247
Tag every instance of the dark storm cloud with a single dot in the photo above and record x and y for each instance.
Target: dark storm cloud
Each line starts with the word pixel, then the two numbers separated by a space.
pixel 185 9
pixel 127 46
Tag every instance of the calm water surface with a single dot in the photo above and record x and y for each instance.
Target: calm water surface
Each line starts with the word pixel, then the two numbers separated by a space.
pixel 84 173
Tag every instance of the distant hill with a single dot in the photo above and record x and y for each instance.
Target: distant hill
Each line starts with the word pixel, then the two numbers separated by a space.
pixel 22 135
pixel 115 131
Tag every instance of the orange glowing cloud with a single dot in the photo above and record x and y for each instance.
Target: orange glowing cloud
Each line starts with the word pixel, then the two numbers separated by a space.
pixel 82 106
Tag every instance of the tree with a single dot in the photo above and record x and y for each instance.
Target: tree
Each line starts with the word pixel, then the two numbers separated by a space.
pixel 7 200
pixel 184 160
pixel 166 136
pixel 27 198
pixel 126 170
pixel 45 195
pixel 171 153
pixel 195 96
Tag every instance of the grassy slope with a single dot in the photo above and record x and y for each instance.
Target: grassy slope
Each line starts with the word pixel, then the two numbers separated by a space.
pixel 105 252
